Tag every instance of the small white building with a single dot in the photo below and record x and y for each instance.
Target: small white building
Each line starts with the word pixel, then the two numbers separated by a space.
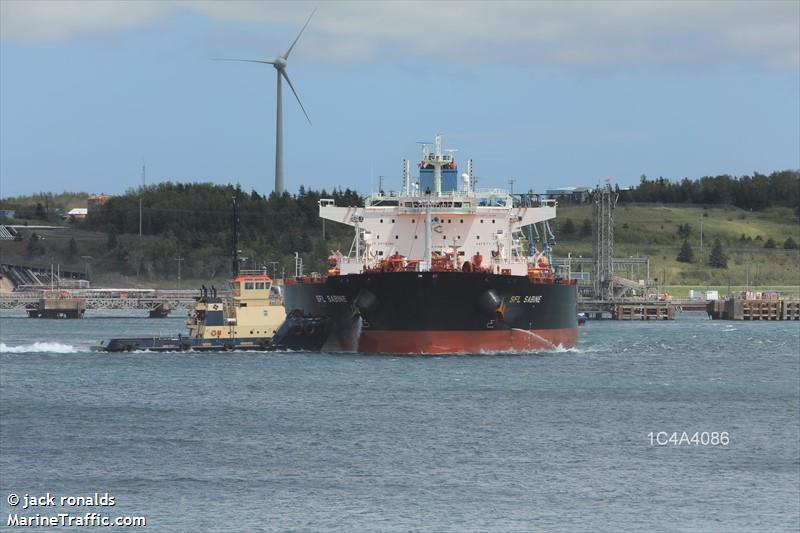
pixel 78 213
pixel 703 295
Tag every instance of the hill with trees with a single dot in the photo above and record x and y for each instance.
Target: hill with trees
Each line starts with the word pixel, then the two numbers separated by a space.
pixel 191 221
pixel 755 219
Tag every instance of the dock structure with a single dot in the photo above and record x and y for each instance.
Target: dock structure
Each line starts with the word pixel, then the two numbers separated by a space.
pixel 74 303
pixel 628 309
pixel 754 309
pixel 56 308
pixel 644 311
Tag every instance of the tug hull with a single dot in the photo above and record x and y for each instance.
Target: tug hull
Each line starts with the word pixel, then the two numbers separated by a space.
pixel 297 333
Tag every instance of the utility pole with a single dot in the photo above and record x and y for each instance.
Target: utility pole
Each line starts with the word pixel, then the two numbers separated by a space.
pixel 701 234
pixel 141 192
pixel 179 259
pixel 86 270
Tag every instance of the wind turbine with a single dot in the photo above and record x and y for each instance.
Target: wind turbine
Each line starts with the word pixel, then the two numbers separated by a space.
pixel 279 64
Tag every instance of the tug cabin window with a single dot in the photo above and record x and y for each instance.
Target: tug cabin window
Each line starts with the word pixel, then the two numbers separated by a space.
pixel 252 288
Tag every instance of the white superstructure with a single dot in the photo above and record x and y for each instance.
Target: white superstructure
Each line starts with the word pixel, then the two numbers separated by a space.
pixel 425 225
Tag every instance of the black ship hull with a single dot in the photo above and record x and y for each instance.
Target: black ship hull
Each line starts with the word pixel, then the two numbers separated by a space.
pixel 439 312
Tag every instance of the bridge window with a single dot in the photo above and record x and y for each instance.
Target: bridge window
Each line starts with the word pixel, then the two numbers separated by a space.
pixel 481 221
pixel 392 221
pixel 248 285
pixel 260 285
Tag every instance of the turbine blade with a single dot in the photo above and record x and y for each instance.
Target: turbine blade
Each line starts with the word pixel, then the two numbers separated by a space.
pixel 243 60
pixel 295 94
pixel 289 51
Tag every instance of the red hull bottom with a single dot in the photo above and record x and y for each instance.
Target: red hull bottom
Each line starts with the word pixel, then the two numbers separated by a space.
pixel 442 342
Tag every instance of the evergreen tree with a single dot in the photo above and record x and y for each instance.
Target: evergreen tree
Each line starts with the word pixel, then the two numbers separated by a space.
pixel 770 243
pixel 789 244
pixel 569 228
pixel 72 249
pixel 717 259
pixel 684 231
pixel 112 242
pixel 34 247
pixel 686 255
pixel 586 228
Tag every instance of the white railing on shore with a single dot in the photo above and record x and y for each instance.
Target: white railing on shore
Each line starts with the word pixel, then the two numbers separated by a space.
pixel 108 298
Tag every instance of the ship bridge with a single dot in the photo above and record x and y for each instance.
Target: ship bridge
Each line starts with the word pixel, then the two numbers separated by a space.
pixel 446 220
pixel 484 222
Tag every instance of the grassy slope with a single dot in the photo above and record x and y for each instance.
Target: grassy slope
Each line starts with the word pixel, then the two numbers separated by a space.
pixel 652 232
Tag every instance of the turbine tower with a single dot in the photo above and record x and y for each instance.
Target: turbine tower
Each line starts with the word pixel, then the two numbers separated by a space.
pixel 279 64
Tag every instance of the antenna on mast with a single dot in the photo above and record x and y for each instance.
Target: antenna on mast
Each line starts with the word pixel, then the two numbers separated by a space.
pixel 406 178
pixel 235 238
pixel 141 192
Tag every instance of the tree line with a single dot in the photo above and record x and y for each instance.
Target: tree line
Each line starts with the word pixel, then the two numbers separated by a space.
pixel 756 192
pixel 193 221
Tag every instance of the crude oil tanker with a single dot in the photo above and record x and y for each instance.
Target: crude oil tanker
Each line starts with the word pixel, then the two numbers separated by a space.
pixel 441 268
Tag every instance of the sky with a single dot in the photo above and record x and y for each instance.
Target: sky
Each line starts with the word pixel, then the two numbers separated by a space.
pixel 550 94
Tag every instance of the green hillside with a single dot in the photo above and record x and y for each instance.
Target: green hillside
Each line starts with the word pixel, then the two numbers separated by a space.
pixel 653 231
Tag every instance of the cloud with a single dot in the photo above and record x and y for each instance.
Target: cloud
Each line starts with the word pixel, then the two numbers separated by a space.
pixel 35 21
pixel 579 33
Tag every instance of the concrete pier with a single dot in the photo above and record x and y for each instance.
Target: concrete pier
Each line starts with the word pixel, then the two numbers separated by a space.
pixel 628 309
pixel 754 309
pixel 57 308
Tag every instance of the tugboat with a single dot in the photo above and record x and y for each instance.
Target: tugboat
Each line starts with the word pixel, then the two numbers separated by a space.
pixel 252 318
pixel 441 268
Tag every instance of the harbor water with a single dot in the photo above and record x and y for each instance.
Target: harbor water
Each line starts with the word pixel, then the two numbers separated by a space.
pixel 587 439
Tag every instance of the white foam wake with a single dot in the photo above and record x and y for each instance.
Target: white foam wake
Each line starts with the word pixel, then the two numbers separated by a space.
pixel 49 347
